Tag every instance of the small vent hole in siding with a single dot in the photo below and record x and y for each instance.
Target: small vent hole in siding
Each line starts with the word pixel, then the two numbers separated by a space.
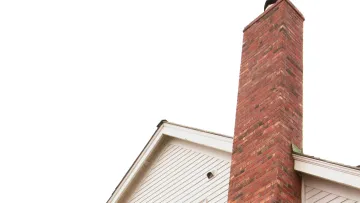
pixel 210 175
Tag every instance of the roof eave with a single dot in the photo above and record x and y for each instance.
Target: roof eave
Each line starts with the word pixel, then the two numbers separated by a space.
pixel 331 171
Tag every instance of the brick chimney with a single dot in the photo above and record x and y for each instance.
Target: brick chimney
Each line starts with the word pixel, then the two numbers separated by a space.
pixel 269 108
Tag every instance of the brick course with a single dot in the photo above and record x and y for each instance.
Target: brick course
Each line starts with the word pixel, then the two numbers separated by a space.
pixel 269 109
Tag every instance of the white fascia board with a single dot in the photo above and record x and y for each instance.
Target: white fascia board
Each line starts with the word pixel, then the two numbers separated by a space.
pixel 199 137
pixel 138 164
pixel 167 129
pixel 328 171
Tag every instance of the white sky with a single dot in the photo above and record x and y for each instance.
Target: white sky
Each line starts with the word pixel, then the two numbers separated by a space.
pixel 83 84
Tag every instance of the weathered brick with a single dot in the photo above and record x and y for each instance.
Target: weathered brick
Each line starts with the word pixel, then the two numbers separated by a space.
pixel 269 109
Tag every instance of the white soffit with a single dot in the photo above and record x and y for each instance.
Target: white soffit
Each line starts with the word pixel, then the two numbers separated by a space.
pixel 349 176
pixel 332 189
pixel 201 137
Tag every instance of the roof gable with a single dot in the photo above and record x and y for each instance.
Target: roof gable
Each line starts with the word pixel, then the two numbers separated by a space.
pixel 171 130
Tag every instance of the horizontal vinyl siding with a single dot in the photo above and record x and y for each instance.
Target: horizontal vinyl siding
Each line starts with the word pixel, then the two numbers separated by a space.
pixel 316 195
pixel 179 174
pixel 313 195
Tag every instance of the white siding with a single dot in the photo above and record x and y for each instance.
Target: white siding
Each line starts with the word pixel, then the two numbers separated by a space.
pixel 322 191
pixel 179 174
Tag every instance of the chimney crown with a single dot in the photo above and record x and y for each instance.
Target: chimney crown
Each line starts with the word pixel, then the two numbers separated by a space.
pixel 270 9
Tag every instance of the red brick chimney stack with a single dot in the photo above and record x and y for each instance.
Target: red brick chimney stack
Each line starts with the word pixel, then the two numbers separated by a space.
pixel 269 108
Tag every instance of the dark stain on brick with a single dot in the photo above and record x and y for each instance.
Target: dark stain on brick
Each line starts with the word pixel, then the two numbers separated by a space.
pixel 268 50
pixel 283 30
pixel 293 91
pixel 285 169
pixel 238 149
pixel 288 185
pixel 290 72
pixel 274 27
pixel 261 43
pixel 260 133
pixel 294 63
pixel 238 196
pixel 298 113
pixel 244 45
pixel 278 49
pixel 242 135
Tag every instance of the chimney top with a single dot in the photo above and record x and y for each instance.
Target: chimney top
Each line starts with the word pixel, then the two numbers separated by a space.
pixel 271 8
pixel 269 3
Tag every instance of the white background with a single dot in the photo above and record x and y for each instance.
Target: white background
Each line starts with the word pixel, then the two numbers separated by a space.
pixel 83 84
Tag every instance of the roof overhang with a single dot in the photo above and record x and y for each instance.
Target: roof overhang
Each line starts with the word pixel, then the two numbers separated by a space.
pixel 167 129
pixel 331 171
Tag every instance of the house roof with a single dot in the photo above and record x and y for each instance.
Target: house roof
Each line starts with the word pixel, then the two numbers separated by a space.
pixel 330 162
pixel 299 152
pixel 169 129
pixel 332 171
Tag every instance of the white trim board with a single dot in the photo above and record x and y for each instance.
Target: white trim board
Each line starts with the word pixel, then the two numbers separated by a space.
pixel 198 137
pixel 207 139
pixel 328 171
